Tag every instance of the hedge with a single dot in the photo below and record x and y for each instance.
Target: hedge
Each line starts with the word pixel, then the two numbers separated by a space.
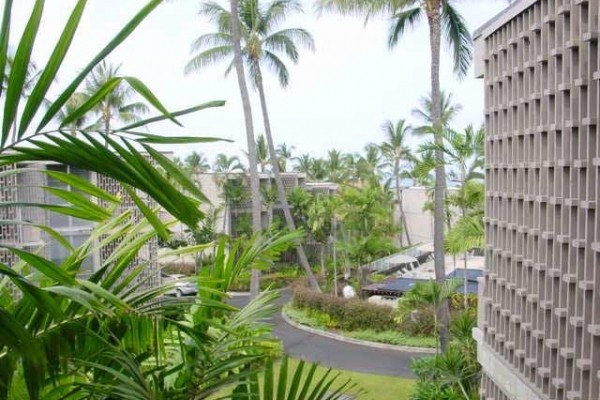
pixel 346 314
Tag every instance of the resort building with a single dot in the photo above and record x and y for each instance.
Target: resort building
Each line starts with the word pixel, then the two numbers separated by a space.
pixel 27 187
pixel 539 301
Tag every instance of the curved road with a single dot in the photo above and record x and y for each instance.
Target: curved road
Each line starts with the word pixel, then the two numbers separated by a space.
pixel 329 352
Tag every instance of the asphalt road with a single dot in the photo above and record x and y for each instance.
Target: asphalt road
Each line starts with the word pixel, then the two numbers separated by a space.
pixel 300 344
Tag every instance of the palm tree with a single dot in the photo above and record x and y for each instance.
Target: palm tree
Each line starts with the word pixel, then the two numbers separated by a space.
pixel 226 165
pixel 196 163
pixel 320 222
pixel 74 102
pixel 429 295
pixel 262 43
pixel 115 106
pixel 231 21
pixel 303 164
pixel 334 165
pixel 262 153
pixel 284 153
pixel 425 112
pixel 269 196
pixel 395 151
pixel 442 18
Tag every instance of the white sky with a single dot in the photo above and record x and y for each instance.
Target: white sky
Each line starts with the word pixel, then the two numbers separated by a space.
pixel 338 96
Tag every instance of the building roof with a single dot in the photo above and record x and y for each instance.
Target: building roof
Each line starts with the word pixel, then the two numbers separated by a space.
pixel 502 18
pixel 397 286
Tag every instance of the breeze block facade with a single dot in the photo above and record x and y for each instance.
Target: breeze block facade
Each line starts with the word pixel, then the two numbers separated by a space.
pixel 539 309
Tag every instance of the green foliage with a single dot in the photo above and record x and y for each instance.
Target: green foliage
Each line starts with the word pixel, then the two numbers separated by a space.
pixel 299 383
pixel 346 314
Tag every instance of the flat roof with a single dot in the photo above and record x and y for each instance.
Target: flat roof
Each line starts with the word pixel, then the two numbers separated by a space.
pixel 502 18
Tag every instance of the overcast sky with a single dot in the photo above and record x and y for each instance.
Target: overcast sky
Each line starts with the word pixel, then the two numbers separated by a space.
pixel 338 96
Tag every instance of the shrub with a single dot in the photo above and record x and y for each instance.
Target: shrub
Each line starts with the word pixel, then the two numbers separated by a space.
pixel 348 314
pixel 457 301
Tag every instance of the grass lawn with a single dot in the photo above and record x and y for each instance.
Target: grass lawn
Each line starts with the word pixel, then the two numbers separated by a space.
pixel 376 387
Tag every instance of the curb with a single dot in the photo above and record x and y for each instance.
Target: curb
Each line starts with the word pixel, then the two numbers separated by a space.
pixel 340 338
pixel 238 294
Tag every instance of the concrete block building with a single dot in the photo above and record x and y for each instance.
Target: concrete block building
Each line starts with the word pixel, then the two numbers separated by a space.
pixel 28 187
pixel 539 310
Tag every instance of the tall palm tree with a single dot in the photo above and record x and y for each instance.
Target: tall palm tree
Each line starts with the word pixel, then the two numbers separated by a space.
pixel 442 19
pixel 395 151
pixel 115 106
pixel 262 43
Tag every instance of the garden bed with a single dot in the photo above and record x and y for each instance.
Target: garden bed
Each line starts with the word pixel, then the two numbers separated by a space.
pixel 317 320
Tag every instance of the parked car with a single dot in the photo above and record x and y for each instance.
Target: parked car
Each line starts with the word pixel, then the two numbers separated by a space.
pixel 182 287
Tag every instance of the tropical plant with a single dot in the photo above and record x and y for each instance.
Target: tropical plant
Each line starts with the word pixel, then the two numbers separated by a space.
pixel 262 153
pixel 261 44
pixel 396 152
pixel 442 19
pixel 227 165
pixel 303 164
pixel 303 384
pixel 196 163
pixel 284 154
pixel 424 113
pixel 269 197
pixel 428 295
pixel 320 223
pixel 300 201
pixel 74 102
pixel 115 105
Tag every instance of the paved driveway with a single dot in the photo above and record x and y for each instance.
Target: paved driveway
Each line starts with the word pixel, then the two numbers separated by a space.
pixel 329 352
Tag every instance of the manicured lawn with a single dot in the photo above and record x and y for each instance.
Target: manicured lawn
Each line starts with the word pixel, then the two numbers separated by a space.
pixel 377 387
pixel 388 337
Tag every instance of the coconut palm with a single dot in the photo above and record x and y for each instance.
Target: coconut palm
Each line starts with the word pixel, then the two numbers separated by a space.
pixel 262 153
pixel 284 153
pixel 442 19
pixel 196 163
pixel 396 152
pixel 334 165
pixel 303 164
pixel 116 105
pixel 226 165
pixel 449 110
pixel 262 45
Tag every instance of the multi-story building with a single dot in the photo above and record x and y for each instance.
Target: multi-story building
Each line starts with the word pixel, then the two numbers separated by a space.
pixel 539 309
pixel 28 187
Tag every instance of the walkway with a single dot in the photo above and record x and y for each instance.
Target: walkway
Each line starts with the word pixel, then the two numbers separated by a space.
pixel 331 353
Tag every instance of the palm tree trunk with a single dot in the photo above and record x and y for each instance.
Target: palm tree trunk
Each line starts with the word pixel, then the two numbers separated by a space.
pixel 252 167
pixel 239 69
pixel 434 18
pixel 322 256
pixel 279 183
pixel 400 205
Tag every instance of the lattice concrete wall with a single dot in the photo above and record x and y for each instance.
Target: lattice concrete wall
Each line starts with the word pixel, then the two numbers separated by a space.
pixel 541 295
pixel 148 253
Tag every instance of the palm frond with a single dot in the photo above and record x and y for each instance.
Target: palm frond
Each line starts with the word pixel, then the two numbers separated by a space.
pixel 458 37
pixel 400 21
